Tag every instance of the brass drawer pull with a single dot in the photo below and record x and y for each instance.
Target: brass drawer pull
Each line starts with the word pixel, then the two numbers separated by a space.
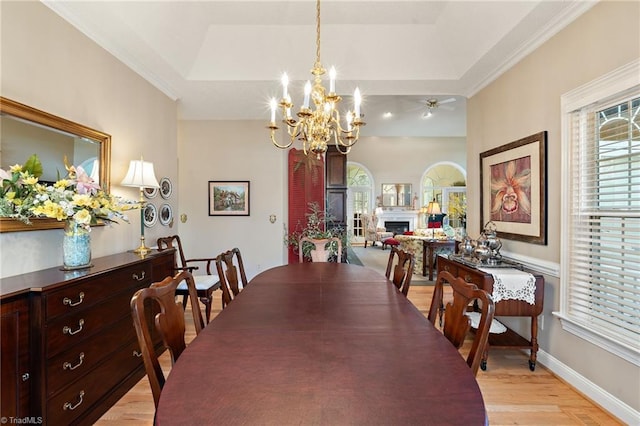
pixel 68 366
pixel 67 301
pixel 446 268
pixel 70 406
pixel 137 354
pixel 468 278
pixel 25 377
pixel 67 330
pixel 139 278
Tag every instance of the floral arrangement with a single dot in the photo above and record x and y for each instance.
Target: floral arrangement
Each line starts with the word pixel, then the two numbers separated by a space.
pixel 76 197
pixel 458 210
pixel 316 228
pixel 458 207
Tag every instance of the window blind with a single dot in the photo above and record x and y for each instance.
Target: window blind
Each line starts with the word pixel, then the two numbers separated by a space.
pixel 604 219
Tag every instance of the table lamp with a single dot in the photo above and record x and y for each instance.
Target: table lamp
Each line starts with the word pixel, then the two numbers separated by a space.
pixel 432 210
pixel 141 175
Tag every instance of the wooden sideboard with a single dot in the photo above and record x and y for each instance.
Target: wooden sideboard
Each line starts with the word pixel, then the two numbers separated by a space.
pixel 69 349
pixel 507 308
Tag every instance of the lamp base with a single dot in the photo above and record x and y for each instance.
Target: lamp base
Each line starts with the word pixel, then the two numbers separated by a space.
pixel 142 250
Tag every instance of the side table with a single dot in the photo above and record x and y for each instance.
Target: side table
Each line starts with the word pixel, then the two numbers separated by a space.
pixel 429 251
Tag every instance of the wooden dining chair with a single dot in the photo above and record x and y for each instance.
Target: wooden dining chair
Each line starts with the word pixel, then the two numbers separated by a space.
pixel 228 273
pixel 206 284
pixel 169 322
pixel 403 269
pixel 456 322
pixel 319 252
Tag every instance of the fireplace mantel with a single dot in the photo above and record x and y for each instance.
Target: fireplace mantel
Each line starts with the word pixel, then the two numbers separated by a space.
pixel 398 215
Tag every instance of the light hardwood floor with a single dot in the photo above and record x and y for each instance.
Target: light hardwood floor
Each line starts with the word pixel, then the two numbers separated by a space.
pixel 513 394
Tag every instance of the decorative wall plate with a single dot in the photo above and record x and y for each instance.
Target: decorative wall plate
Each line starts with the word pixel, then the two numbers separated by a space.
pixel 150 192
pixel 166 188
pixel 166 214
pixel 150 215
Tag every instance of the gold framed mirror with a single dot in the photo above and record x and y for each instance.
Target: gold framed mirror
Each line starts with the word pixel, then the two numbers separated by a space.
pixel 26 131
pixel 396 194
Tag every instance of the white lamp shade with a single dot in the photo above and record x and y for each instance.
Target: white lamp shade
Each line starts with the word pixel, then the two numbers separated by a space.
pixel 434 208
pixel 140 175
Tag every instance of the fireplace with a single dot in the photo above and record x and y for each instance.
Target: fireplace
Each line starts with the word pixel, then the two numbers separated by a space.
pixel 396 226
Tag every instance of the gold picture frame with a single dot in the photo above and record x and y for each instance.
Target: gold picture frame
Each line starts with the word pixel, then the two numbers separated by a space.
pixel 513 183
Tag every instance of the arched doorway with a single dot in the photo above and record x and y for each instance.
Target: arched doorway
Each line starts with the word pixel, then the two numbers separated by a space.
pixel 360 198
pixel 446 183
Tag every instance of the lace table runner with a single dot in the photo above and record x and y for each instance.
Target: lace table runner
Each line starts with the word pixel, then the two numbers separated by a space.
pixel 512 284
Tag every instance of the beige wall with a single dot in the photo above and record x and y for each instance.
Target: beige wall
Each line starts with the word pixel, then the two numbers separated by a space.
pixel 526 100
pixel 405 160
pixel 49 65
pixel 228 151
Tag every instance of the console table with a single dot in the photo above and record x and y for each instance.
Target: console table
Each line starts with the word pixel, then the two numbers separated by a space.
pixel 507 308
pixel 429 247
pixel 69 349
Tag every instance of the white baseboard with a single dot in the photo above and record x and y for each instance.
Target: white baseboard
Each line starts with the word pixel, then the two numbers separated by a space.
pixel 609 402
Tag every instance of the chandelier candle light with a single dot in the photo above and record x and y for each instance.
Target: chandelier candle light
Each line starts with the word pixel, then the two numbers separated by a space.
pixel 141 175
pixel 318 124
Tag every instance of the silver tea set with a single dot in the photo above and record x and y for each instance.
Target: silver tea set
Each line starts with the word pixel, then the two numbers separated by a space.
pixel 486 249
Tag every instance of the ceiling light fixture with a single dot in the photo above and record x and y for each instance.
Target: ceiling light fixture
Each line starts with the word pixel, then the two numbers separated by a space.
pixel 316 127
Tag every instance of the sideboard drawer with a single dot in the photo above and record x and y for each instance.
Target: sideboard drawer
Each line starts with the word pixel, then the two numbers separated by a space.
pixel 448 266
pixel 70 330
pixel 477 279
pixel 80 396
pixel 82 358
pixel 94 290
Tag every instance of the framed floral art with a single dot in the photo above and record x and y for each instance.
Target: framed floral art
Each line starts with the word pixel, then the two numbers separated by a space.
pixel 513 182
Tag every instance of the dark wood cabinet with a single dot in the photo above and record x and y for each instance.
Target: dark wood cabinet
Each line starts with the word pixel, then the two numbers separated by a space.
pixel 14 361
pixel 507 308
pixel 80 326
pixel 336 186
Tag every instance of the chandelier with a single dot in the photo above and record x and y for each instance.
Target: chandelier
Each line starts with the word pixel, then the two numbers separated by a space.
pixel 316 125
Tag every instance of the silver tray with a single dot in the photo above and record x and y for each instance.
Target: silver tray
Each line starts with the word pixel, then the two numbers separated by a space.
pixel 475 263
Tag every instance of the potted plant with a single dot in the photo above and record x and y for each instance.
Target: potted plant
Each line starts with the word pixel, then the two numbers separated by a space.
pixel 319 226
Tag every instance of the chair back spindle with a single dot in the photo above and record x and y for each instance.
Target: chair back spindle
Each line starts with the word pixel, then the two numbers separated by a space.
pixel 402 269
pixel 228 273
pixel 168 321
pixel 456 322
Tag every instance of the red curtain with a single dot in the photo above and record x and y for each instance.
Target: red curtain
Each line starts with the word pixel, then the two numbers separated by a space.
pixel 306 185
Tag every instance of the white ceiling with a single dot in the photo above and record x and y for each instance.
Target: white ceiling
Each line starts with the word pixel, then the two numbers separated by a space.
pixel 224 59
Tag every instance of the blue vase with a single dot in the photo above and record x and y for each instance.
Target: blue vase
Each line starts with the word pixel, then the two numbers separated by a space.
pixel 76 246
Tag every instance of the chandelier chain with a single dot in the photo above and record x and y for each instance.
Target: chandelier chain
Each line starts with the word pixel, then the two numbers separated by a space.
pixel 318 65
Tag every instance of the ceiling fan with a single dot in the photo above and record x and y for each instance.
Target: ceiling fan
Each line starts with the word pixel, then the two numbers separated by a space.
pixel 433 103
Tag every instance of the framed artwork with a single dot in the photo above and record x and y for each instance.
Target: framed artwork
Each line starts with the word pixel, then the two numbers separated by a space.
pixel 166 188
pixel 150 192
pixel 229 198
pixel 166 215
pixel 150 215
pixel 513 182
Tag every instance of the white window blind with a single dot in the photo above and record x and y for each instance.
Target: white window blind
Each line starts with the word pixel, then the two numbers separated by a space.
pixel 603 236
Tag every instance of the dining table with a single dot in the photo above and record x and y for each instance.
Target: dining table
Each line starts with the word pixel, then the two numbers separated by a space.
pixel 320 344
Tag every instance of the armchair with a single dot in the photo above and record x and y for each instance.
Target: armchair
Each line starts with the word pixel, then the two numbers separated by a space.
pixel 372 232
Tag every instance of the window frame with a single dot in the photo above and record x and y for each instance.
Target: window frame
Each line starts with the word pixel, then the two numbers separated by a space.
pixel 614 83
